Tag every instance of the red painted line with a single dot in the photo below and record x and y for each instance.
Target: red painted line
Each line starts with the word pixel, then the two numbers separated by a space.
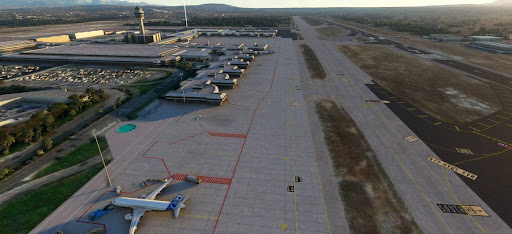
pixel 245 139
pixel 161 159
pixel 101 224
pixel 165 165
pixel 180 118
pixel 154 143
pixel 228 135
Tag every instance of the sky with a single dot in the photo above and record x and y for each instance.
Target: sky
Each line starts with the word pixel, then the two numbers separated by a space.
pixel 319 3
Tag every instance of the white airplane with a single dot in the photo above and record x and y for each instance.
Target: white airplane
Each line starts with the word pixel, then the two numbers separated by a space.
pixel 148 203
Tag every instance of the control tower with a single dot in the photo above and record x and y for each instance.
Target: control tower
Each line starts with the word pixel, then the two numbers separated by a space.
pixel 139 14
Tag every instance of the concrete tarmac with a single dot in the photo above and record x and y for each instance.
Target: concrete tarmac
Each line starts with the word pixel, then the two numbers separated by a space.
pixel 248 152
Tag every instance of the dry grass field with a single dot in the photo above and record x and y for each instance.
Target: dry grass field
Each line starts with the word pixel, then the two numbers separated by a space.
pixel 330 31
pixel 439 92
pixel 316 71
pixel 312 21
pixel 498 62
pixel 371 202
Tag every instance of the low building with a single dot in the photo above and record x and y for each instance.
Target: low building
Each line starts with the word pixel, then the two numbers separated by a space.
pixel 89 34
pixel 196 54
pixel 179 37
pixel 245 57
pixel 239 63
pixel 197 91
pixel 492 47
pixel 102 53
pixel 204 87
pixel 257 47
pixel 137 38
pixel 485 38
pixel 54 39
pixel 7 46
pixel 446 37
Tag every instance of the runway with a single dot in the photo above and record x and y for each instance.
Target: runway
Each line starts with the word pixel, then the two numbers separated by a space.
pixel 422 184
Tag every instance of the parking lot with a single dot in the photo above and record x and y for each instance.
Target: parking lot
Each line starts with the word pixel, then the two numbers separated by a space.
pixel 89 75
pixel 12 71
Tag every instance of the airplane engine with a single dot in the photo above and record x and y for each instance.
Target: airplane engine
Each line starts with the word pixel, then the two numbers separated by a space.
pixel 128 217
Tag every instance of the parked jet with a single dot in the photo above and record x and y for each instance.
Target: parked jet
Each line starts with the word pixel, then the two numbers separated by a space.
pixel 148 203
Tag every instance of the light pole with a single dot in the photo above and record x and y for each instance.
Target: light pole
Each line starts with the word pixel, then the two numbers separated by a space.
pixel 183 87
pixel 101 154
pixel 185 9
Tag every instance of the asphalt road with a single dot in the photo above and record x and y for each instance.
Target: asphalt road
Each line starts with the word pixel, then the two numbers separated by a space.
pixel 63 132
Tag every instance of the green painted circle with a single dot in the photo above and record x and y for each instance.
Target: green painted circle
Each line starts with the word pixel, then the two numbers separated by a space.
pixel 126 128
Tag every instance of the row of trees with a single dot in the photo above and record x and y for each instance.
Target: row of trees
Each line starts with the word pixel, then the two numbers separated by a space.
pixel 417 28
pixel 423 29
pixel 43 122
pixel 13 89
pixel 498 32
pixel 5 172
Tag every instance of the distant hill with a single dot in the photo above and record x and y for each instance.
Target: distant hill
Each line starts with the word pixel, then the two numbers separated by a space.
pixel 63 3
pixel 501 3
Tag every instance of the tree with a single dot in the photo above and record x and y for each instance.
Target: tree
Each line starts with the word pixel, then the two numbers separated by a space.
pixel 37 115
pixel 27 135
pixel 6 144
pixel 72 113
pixel 119 101
pixel 58 109
pixel 95 98
pixel 75 97
pixel 48 143
pixel 48 122
pixel 4 173
pixel 37 134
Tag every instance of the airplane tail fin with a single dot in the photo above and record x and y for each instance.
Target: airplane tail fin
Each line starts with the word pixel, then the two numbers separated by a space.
pixel 178 208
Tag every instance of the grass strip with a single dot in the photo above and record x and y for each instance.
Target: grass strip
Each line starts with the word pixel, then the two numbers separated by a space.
pixel 440 92
pixel 27 211
pixel 145 88
pixel 312 21
pixel 329 31
pixel 371 203
pixel 80 154
pixel 316 71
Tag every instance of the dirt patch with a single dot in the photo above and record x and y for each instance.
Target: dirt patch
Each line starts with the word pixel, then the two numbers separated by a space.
pixel 312 21
pixel 330 31
pixel 371 202
pixel 439 92
pixel 316 71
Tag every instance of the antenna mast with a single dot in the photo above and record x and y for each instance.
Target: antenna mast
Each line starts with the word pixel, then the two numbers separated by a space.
pixel 185 8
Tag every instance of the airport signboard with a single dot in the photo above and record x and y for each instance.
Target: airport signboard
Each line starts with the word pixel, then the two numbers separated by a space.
pixel 462 209
pixel 452 167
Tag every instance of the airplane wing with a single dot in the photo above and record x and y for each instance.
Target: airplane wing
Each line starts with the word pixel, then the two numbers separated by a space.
pixel 137 214
pixel 153 194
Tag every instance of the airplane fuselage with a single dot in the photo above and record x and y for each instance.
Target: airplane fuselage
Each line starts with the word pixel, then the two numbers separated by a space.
pixel 141 203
